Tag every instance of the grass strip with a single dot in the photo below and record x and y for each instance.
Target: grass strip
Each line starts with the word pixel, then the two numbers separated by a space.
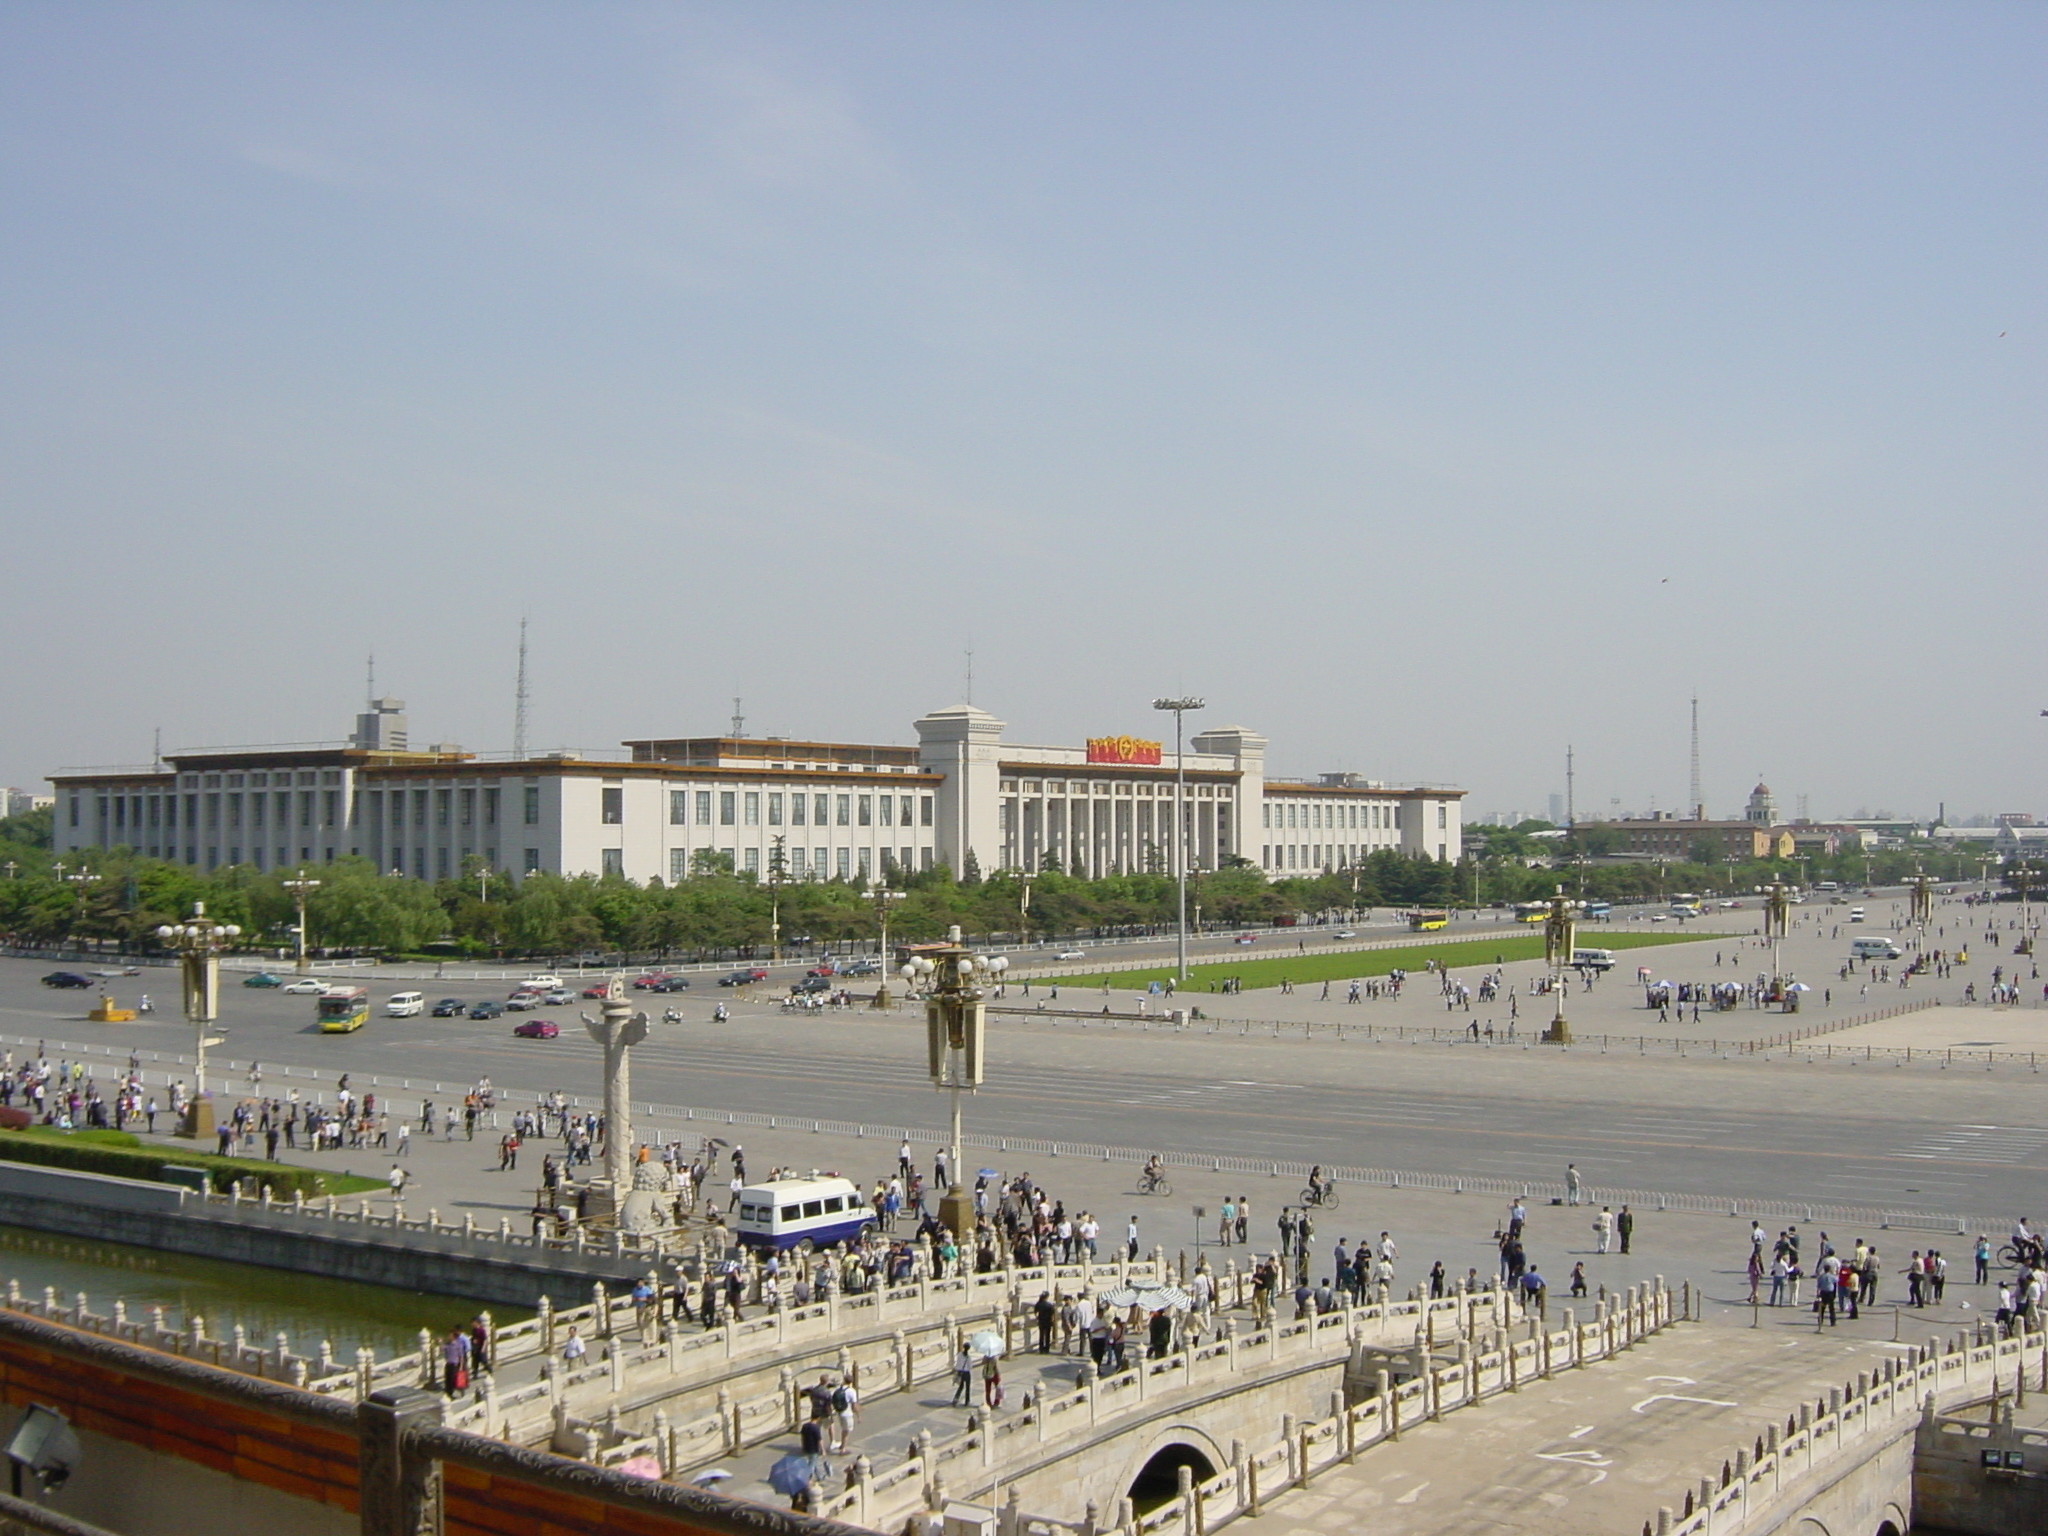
pixel 1324 965
pixel 51 1148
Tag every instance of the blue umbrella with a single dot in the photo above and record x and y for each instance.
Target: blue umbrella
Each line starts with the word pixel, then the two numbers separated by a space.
pixel 796 1472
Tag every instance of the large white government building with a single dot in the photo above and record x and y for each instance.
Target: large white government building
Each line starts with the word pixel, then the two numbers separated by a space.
pixel 807 810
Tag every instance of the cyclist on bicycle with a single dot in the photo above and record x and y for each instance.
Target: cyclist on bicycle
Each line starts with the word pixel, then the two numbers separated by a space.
pixel 1316 1183
pixel 1155 1170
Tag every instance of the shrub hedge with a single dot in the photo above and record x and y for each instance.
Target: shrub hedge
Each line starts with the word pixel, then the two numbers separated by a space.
pixel 141 1162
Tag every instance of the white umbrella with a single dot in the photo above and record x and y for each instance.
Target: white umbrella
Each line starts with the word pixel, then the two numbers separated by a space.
pixel 1153 1298
pixel 987 1344
pixel 710 1478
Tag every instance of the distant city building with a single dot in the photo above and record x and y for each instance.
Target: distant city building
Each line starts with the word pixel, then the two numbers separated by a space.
pixel 805 810
pixel 2020 842
pixel 1676 839
pixel 21 801
pixel 1763 808
pixel 2014 819
pixel 1556 816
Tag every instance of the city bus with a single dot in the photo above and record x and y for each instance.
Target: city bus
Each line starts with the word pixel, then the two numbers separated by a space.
pixel 1425 921
pixel 1685 904
pixel 1598 911
pixel 342 1010
pixel 1531 911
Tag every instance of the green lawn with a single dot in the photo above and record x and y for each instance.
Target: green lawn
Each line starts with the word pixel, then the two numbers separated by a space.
pixel 1325 965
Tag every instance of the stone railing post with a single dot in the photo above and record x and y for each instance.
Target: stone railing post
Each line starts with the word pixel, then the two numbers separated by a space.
pixel 399 1490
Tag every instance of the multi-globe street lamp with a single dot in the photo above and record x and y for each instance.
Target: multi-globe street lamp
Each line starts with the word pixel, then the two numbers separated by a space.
pixel 955 982
pixel 1180 707
pixel 199 941
pixel 301 888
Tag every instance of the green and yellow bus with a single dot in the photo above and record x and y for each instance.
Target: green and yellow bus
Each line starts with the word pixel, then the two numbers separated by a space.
pixel 342 1010
pixel 1423 922
pixel 1531 911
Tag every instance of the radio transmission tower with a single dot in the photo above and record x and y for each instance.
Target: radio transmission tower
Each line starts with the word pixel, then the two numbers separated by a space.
pixel 1699 806
pixel 519 700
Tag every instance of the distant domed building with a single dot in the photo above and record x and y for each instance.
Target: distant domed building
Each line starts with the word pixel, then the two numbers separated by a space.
pixel 1763 809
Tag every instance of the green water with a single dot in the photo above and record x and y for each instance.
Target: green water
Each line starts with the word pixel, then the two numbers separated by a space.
pixel 265 1302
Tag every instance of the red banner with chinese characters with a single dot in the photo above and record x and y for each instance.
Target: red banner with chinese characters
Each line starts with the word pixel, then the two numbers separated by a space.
pixel 1122 749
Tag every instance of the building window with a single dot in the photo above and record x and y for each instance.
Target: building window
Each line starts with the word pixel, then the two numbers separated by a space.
pixel 529 809
pixel 331 807
pixel 212 818
pixel 821 812
pixel 419 812
pixel 867 810
pixel 775 810
pixel 886 811
pixel 1443 813
pixel 531 862
pixel 797 805
pixel 703 807
pixel 924 812
pixel 614 860
pixel 867 862
pixel 612 806
pixel 728 807
pixel 845 860
pixel 818 865
pixel 926 862
pixel 845 813
pixel 467 808
pixel 491 807
pixel 678 807
pixel 441 800
pixel 753 861
pixel 796 864
pixel 752 806
pixel 678 865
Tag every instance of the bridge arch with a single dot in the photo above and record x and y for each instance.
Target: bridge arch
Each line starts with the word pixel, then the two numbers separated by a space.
pixel 1151 1474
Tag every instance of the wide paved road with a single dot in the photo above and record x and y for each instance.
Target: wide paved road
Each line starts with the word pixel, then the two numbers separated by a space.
pixel 1831 1134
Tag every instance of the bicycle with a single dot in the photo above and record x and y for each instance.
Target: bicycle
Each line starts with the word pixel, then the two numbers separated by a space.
pixel 1326 1197
pixel 1151 1183
pixel 2011 1256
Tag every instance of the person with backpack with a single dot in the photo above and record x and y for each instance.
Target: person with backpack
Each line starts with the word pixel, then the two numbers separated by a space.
pixel 845 1408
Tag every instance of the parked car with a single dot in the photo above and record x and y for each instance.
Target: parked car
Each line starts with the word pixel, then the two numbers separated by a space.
pixel 66 980
pixel 450 1008
pixel 745 976
pixel 650 981
pixel 560 997
pixel 671 984
pixel 536 1029
pixel 263 979
pixel 523 1002
pixel 861 968
pixel 488 1009
pixel 812 984
pixel 306 984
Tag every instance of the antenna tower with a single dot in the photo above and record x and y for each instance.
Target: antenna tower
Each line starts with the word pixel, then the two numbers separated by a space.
pixel 739 721
pixel 1571 803
pixel 370 681
pixel 519 699
pixel 1699 804
pixel 970 676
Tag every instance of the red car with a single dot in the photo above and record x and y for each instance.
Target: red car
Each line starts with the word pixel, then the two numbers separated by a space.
pixel 536 1029
pixel 601 989
pixel 823 968
pixel 651 979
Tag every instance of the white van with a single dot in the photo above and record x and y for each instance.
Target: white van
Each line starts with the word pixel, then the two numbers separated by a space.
pixel 1855 914
pixel 404 1005
pixel 1593 959
pixel 802 1214
pixel 1876 946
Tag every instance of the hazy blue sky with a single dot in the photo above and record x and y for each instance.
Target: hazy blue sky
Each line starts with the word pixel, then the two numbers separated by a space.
pixel 1428 385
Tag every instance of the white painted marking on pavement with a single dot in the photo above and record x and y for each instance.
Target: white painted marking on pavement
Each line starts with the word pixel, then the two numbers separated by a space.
pixel 1412 1494
pixel 1679 1397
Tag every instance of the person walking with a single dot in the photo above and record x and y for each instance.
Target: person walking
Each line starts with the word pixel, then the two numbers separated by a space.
pixel 1603 1228
pixel 1624 1226
pixel 963 1376
pixel 1572 1184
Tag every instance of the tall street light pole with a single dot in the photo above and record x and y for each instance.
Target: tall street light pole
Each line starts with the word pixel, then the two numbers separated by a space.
pixel 954 982
pixel 199 941
pixel 884 899
pixel 1180 707
pixel 301 888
